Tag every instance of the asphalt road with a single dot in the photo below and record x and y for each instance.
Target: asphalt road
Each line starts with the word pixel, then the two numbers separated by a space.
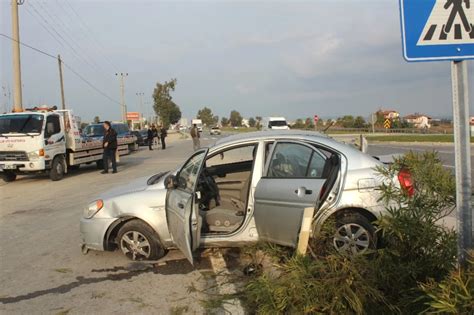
pixel 445 151
pixel 42 270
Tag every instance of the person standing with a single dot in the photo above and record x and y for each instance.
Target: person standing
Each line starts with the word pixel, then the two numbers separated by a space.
pixel 110 148
pixel 163 135
pixel 156 139
pixel 195 135
pixel 150 138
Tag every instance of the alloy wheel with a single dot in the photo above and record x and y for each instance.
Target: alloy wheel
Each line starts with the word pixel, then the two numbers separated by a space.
pixel 135 245
pixel 351 238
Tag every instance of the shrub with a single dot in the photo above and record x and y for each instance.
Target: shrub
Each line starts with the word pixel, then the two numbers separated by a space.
pixel 454 294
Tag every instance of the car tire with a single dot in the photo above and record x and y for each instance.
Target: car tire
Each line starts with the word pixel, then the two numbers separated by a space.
pixel 8 176
pixel 354 234
pixel 138 241
pixel 57 169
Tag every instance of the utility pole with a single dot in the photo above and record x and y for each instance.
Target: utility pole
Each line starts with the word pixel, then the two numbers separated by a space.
pixel 17 95
pixel 60 63
pixel 140 95
pixel 122 96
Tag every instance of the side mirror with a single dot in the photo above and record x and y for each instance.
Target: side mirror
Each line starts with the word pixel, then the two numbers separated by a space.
pixel 171 182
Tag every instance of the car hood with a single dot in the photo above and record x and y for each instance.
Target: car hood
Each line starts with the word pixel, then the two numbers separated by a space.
pixel 139 184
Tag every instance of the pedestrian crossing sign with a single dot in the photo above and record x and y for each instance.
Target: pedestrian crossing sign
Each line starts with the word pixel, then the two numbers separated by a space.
pixel 437 29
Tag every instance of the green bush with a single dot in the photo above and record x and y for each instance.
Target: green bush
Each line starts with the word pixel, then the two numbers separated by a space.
pixel 453 295
pixel 413 267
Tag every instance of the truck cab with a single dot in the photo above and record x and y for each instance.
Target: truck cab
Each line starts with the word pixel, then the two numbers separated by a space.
pixel 30 142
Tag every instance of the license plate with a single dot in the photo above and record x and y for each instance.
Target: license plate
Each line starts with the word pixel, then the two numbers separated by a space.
pixel 7 167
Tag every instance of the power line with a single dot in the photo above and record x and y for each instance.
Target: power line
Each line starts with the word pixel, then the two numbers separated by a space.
pixel 66 65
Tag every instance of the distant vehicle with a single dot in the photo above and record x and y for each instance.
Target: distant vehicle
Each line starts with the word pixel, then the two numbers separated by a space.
pixel 198 123
pixel 275 123
pixel 246 188
pixel 47 140
pixel 142 137
pixel 96 131
pixel 215 131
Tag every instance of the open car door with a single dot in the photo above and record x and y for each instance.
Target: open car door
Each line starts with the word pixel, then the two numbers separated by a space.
pixel 294 177
pixel 182 212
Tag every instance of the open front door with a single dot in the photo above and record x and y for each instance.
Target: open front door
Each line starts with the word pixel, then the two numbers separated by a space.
pixel 292 181
pixel 182 212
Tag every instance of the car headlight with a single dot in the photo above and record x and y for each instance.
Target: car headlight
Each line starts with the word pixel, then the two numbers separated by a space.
pixel 93 208
pixel 34 155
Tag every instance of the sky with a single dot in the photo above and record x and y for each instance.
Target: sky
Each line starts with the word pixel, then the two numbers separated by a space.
pixel 267 58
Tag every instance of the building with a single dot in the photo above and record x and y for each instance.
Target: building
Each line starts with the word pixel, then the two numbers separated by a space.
pixel 418 120
pixel 388 114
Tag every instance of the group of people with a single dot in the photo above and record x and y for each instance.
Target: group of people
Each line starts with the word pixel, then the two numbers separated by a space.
pixel 109 144
pixel 155 136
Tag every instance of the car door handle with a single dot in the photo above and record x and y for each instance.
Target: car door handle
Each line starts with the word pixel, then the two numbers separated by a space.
pixel 180 205
pixel 303 191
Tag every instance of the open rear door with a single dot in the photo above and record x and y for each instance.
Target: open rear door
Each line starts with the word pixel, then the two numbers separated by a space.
pixel 292 181
pixel 182 212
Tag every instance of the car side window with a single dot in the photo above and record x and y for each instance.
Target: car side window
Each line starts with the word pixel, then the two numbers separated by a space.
pixel 290 160
pixel 316 165
pixel 234 155
pixel 188 174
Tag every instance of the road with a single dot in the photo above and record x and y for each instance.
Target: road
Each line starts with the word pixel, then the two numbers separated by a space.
pixel 42 268
pixel 445 151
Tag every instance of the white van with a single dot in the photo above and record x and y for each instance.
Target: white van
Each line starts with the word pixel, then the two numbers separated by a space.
pixel 275 123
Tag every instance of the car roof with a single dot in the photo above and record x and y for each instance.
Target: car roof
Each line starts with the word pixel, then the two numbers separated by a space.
pixel 271 134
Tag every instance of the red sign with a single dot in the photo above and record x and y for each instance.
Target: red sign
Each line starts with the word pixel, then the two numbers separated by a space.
pixel 316 118
pixel 133 116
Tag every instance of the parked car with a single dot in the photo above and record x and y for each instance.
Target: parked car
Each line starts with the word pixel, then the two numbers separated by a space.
pixel 215 131
pixel 142 137
pixel 96 131
pixel 246 188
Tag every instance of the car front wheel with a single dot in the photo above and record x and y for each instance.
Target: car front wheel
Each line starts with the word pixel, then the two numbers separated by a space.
pixel 138 241
pixel 354 234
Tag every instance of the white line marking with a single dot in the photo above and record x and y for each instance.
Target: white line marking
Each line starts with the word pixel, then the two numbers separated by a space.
pixel 449 166
pixel 219 267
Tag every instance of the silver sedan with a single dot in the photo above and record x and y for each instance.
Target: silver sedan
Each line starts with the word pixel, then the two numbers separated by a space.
pixel 246 188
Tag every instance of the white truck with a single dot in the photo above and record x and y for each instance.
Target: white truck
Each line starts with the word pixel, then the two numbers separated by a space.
pixel 198 123
pixel 274 123
pixel 47 140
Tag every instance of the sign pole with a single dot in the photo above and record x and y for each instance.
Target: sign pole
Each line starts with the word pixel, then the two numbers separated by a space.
pixel 462 151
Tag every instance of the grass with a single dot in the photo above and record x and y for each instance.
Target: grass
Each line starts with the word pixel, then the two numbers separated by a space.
pixel 415 138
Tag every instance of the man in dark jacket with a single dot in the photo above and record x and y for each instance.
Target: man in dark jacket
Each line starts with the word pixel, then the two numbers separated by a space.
pixel 110 148
pixel 150 137
pixel 163 134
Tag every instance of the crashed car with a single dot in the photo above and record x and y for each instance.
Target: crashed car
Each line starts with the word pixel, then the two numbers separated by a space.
pixel 246 188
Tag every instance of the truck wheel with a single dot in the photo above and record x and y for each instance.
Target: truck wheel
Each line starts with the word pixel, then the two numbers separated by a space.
pixel 57 169
pixel 100 164
pixel 8 176
pixel 138 241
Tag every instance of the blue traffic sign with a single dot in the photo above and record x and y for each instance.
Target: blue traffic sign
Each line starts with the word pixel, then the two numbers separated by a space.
pixel 437 29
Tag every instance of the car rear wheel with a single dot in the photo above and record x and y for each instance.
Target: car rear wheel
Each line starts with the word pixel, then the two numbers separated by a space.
pixel 138 241
pixel 8 176
pixel 354 234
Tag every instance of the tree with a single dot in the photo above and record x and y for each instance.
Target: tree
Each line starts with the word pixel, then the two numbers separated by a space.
pixel 308 123
pixel 359 122
pixel 163 105
pixel 299 124
pixel 252 122
pixel 224 121
pixel 96 119
pixel 84 125
pixel 207 117
pixel 235 119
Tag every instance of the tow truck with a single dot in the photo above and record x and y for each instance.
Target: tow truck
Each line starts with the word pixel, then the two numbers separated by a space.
pixel 45 140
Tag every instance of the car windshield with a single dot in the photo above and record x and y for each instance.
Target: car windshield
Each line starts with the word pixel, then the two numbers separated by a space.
pixel 21 123
pixel 94 130
pixel 278 123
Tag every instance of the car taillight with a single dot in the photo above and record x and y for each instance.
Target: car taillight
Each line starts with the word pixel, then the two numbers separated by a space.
pixel 406 181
